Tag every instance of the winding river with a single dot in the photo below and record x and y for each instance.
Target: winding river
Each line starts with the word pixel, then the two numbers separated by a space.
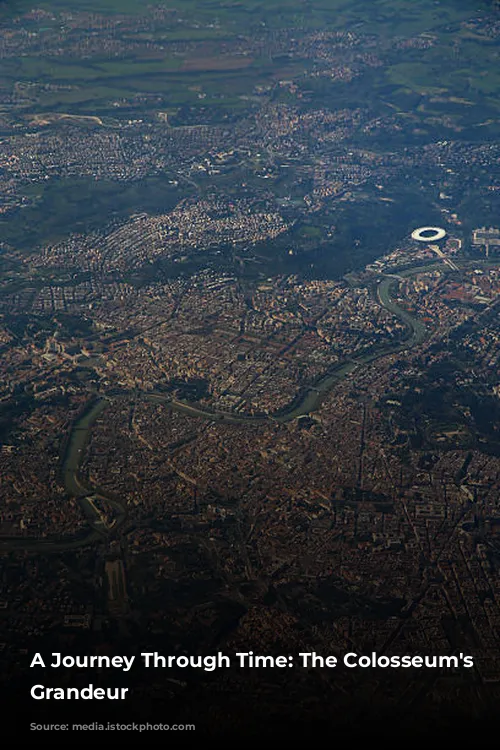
pixel 308 402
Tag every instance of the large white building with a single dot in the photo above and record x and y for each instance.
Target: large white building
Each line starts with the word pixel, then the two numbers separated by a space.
pixel 428 234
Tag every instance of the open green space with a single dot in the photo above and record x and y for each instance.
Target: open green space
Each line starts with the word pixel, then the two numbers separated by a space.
pixel 459 64
pixel 82 204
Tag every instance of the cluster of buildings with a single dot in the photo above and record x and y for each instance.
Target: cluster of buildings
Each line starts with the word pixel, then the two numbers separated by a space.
pixel 487 239
pixel 33 502
pixel 193 227
pixel 403 535
pixel 369 520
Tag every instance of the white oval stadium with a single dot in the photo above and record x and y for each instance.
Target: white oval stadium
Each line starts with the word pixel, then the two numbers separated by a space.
pixel 428 234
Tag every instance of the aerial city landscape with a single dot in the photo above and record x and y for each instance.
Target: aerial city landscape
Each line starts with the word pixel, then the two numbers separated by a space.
pixel 250 350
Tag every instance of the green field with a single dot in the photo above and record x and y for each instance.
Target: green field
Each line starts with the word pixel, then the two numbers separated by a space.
pixel 215 62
